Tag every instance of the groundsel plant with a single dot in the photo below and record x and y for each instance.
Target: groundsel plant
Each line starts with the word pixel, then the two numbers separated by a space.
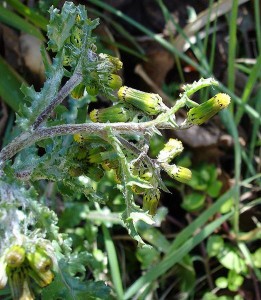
pixel 33 254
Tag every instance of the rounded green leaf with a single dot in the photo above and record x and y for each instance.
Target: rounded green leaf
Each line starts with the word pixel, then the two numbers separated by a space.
pixel 214 245
pixel 193 201
pixel 231 260
pixel 257 258
pixel 221 282
pixel 227 206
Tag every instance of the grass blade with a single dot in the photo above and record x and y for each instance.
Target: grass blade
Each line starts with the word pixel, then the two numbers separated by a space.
pixel 10 85
pixel 258 23
pixel 151 34
pixel 232 47
pixel 168 46
pixel 232 129
pixel 13 20
pixel 113 261
pixel 200 221
pixel 174 257
pixel 32 16
pixel 254 75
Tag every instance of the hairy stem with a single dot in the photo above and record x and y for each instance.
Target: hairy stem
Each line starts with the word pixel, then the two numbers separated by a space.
pixel 36 133
pixel 29 138
pixel 63 93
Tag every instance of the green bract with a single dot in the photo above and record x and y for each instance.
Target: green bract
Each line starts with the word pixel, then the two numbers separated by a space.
pixel 15 256
pixel 149 103
pixel 180 174
pixel 151 201
pixel 171 149
pixel 78 92
pixel 114 81
pixel 116 113
pixel 200 114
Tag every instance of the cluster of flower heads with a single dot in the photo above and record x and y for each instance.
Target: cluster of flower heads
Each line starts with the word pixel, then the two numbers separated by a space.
pixel 92 156
pixel 101 77
pixel 19 266
pixel 29 236
pixel 130 105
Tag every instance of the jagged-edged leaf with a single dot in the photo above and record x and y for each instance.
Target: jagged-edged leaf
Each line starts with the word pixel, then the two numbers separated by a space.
pixel 38 101
pixel 192 88
pixel 80 186
pixel 60 26
pixel 67 287
pixel 131 217
pixel 141 216
pixel 26 161
pixel 135 180
pixel 78 262
pixel 72 20
pixel 23 215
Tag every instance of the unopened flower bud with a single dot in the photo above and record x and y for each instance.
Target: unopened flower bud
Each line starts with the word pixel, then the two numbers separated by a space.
pixel 116 63
pixel 94 172
pixel 39 260
pixel 114 81
pixel 151 200
pixel 78 92
pixel 39 268
pixel 75 171
pixel 94 156
pixel 76 37
pixel 81 153
pixel 87 138
pixel 92 89
pixel 67 60
pixel 110 164
pixel 15 256
pixel 41 278
pixel 115 113
pixel 205 111
pixel 117 175
pixel 171 149
pixel 180 174
pixel 147 102
pixel 78 137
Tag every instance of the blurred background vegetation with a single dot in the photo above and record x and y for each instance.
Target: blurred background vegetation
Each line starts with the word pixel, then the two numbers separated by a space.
pixel 164 44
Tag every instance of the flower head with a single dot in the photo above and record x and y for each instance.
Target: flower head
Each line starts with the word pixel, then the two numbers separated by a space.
pixel 151 200
pixel 17 265
pixel 149 103
pixel 115 113
pixel 114 81
pixel 200 114
pixel 78 92
pixel 180 174
pixel 171 149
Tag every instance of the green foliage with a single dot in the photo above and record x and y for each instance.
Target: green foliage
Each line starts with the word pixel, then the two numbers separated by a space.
pixel 67 287
pixel 103 176
pixel 205 184
pixel 12 19
pixel 10 85
pixel 39 100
